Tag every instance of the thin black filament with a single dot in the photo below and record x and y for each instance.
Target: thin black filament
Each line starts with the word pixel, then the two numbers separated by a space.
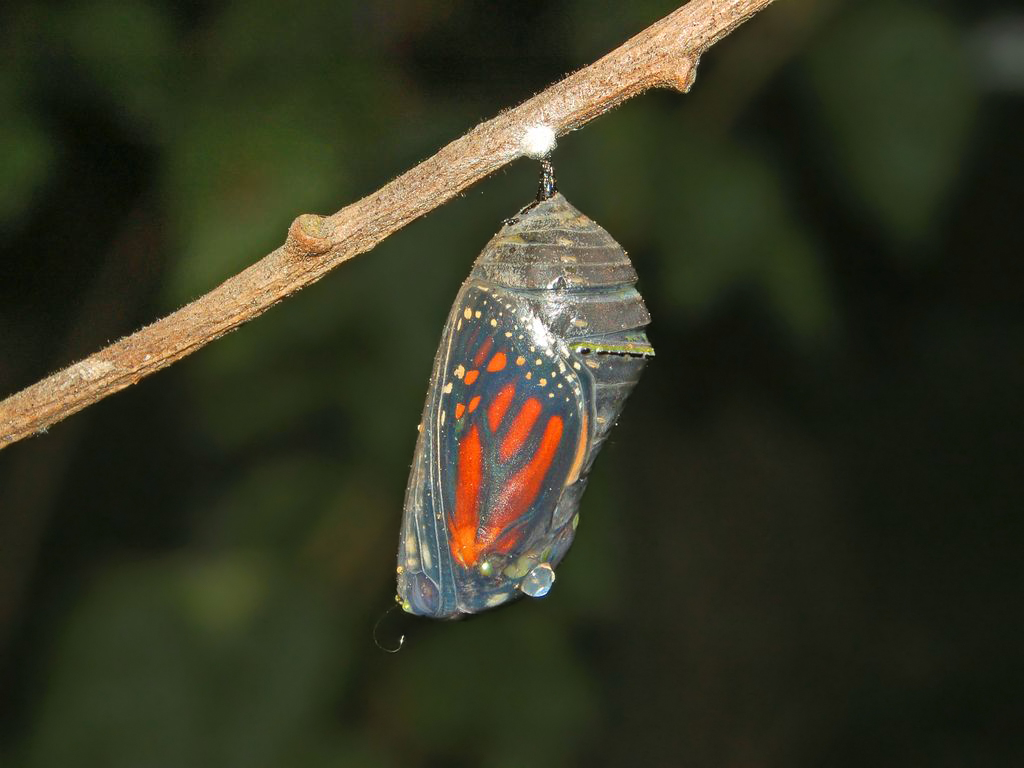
pixel 547 187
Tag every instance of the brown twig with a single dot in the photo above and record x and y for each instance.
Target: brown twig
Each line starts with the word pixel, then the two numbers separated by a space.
pixel 663 55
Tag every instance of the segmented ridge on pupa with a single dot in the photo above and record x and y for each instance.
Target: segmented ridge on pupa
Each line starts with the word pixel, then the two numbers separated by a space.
pixel 554 246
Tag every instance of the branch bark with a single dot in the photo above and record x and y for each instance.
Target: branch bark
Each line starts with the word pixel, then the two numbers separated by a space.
pixel 663 55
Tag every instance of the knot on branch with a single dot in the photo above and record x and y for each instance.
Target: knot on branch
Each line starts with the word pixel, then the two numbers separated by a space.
pixel 678 71
pixel 309 235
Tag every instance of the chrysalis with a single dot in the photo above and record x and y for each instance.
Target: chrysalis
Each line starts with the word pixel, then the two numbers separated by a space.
pixel 543 344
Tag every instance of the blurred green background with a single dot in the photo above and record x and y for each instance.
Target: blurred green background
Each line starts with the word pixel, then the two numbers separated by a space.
pixel 801 546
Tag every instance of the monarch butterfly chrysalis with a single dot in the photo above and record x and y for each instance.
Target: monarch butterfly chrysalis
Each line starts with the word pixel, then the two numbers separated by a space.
pixel 543 344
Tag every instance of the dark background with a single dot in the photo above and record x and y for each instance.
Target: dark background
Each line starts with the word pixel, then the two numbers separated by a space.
pixel 801 546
